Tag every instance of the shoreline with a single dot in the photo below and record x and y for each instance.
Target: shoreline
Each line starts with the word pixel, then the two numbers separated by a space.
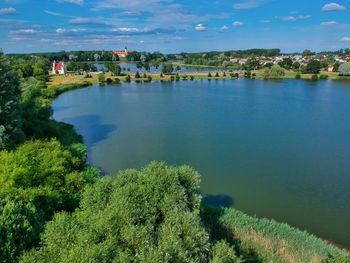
pixel 72 78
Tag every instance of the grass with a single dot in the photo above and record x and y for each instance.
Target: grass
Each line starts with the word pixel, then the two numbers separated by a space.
pixel 263 240
pixel 80 79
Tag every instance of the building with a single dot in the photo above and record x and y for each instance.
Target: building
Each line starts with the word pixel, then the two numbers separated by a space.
pixel 124 53
pixel 59 68
pixel 330 68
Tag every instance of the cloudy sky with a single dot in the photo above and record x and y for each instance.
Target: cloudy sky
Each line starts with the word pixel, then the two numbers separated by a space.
pixel 173 25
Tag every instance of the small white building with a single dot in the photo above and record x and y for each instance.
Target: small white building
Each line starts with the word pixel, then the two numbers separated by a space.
pixel 59 68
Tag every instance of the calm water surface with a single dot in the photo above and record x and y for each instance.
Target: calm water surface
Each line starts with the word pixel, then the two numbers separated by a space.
pixel 273 149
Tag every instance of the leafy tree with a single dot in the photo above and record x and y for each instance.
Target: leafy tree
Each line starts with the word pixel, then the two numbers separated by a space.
pixel 251 64
pixel 101 78
pixel 307 53
pixel 178 68
pixel 314 67
pixel 137 75
pixel 286 63
pixel 113 67
pixel 151 215
pixel 275 72
pixel 344 69
pixel 167 68
pixel 36 180
pixel 10 124
pixel 20 227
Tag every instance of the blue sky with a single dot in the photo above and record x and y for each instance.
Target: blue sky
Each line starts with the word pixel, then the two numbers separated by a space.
pixel 173 25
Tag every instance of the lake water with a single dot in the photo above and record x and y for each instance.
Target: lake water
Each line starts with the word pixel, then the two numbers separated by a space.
pixel 273 149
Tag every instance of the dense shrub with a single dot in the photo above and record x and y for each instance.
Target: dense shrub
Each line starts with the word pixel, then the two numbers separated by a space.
pixel 275 72
pixel 150 215
pixel 36 180
pixel 10 110
pixel 324 76
pixel 298 76
pixel 344 69
pixel 314 77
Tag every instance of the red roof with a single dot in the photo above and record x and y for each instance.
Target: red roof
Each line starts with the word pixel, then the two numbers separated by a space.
pixel 123 52
pixel 59 66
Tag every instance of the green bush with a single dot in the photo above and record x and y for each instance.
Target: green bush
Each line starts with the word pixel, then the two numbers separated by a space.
pixel 101 78
pixel 314 77
pixel 37 180
pixel 298 76
pixel 324 76
pixel 344 69
pixel 151 215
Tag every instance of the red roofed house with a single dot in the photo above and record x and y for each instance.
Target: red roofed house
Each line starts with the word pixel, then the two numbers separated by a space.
pixel 59 68
pixel 124 53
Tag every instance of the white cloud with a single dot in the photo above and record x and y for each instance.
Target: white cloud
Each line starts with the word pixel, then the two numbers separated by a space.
pixel 52 13
pixel 329 23
pixel 249 4
pixel 7 11
pixel 237 23
pixel 224 28
pixel 333 7
pixel 85 21
pixel 76 2
pixel 200 27
pixel 65 31
pixel 293 18
pixel 346 39
pixel 265 21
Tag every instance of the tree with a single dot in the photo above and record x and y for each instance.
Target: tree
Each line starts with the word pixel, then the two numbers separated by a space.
pixel 20 227
pixel 10 110
pixel 286 63
pixel 36 180
pixel 151 215
pixel 314 67
pixel 113 67
pixel 275 72
pixel 178 68
pixel 101 78
pixel 167 68
pixel 344 69
pixel 307 53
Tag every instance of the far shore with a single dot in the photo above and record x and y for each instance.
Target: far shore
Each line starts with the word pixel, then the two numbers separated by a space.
pixel 72 78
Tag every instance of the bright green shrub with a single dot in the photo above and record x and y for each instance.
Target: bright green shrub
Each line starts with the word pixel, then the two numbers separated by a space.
pixel 344 69
pixel 150 215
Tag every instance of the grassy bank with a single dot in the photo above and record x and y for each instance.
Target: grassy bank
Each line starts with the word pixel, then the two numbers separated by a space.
pixel 73 79
pixel 263 240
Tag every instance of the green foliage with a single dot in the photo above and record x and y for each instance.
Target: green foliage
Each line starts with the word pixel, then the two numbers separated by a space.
pixel 344 69
pixel 209 75
pixel 167 68
pixel 10 110
pixel 137 75
pixel 313 67
pixel 307 53
pixel 268 241
pixel 36 180
pixel 298 76
pixel 286 63
pixel 101 78
pixel 324 76
pixel 314 77
pixel 113 67
pixel 275 72
pixel 150 215
pixel 128 79
pixel 20 226
pixel 222 252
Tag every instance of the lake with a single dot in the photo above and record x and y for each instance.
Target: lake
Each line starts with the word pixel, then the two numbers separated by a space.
pixel 275 149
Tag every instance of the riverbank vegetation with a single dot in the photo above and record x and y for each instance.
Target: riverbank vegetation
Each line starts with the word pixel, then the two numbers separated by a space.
pixel 56 208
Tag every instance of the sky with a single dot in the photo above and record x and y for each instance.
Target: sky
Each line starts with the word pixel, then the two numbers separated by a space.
pixel 172 26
